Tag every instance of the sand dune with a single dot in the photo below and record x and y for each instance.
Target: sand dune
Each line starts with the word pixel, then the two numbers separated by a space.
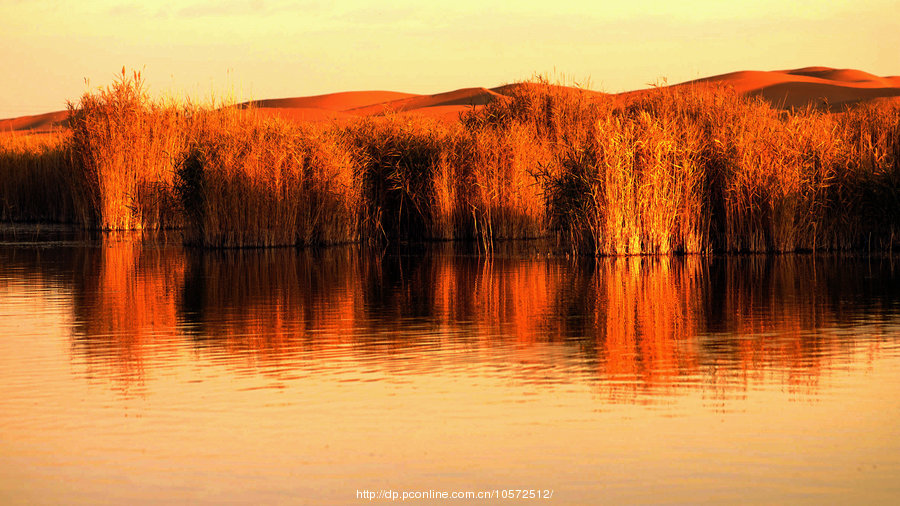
pixel 818 86
pixel 343 101
pixel 508 89
pixel 37 123
pixel 465 97
pixel 843 75
pixel 441 113
pixel 835 97
pixel 347 105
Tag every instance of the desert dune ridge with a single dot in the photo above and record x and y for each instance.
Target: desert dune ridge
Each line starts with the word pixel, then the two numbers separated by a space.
pixel 822 87
pixel 815 86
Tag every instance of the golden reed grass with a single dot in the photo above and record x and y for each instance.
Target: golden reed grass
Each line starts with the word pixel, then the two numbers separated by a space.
pixel 426 180
pixel 123 146
pixel 250 182
pixel 675 170
pixel 704 169
pixel 35 180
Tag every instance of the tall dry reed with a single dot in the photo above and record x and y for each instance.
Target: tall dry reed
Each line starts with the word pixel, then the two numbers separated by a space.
pixel 427 180
pixel 36 183
pixel 705 169
pixel 408 182
pixel 124 146
pixel 498 191
pixel 866 187
pixel 253 182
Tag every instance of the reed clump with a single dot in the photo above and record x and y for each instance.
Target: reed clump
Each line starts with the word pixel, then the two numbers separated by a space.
pixel 407 177
pixel 427 180
pixel 613 179
pixel 631 188
pixel 751 185
pixel 866 188
pixel 498 190
pixel 124 146
pixel 247 181
pixel 549 111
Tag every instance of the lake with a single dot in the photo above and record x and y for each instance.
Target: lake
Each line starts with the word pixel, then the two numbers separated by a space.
pixel 137 371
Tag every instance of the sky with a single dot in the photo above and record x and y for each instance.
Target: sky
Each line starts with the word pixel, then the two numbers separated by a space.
pixel 52 51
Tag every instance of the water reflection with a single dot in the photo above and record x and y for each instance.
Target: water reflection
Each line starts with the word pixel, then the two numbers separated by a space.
pixel 270 306
pixel 124 307
pixel 637 329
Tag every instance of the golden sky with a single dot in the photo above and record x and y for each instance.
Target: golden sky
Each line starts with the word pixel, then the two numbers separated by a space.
pixel 274 48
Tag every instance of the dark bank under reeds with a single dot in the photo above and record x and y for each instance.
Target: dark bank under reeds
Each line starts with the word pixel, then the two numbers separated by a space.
pixel 682 170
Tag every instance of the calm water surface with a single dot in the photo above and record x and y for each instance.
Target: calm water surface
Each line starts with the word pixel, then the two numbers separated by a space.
pixel 140 372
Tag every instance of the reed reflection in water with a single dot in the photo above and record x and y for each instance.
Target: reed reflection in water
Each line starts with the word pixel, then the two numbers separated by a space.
pixel 325 371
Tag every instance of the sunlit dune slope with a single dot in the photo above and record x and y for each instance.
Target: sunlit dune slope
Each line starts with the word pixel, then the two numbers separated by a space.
pixel 818 86
pixel 445 106
pixel 462 98
pixel 508 89
pixel 37 123
pixel 338 106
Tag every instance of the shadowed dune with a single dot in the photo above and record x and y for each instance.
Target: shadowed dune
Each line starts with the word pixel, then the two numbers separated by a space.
pixel 510 89
pixel 445 107
pixel 842 75
pixel 464 96
pixel 324 108
pixel 348 105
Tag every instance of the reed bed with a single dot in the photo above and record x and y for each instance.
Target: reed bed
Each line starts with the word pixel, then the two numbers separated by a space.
pixel 675 170
pixel 426 180
pixel 251 182
pixel 702 169
pixel 866 184
pixel 406 176
pixel 124 146
pixel 500 191
pixel 35 178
